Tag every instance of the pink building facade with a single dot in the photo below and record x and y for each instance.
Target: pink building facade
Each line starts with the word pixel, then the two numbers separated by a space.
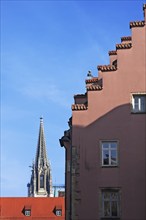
pixel 105 145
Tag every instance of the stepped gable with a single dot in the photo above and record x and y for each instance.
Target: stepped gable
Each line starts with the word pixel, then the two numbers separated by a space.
pixel 95 83
pixel 100 121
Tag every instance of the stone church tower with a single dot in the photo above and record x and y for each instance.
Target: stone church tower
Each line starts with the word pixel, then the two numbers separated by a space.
pixel 41 180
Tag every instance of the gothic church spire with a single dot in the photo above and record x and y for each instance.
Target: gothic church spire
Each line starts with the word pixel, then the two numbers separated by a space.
pixel 41 179
pixel 41 155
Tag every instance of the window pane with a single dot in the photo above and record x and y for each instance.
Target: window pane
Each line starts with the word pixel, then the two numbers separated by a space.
pixel 27 213
pixel 106 195
pixel 114 209
pixel 41 181
pixel 143 103
pixel 113 157
pixel 136 103
pixel 105 157
pixel 105 145
pixel 139 103
pixel 58 212
pixel 107 209
pixel 114 196
pixel 110 203
pixel 113 144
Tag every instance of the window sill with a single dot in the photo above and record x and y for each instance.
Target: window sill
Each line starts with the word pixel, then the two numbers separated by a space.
pixel 111 218
pixel 102 166
pixel 137 113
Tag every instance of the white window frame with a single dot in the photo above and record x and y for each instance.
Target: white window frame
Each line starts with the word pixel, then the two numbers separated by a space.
pixel 58 212
pixel 138 101
pixel 109 149
pixel 110 201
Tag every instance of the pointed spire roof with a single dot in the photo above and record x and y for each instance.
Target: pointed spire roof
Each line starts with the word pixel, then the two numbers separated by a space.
pixel 41 155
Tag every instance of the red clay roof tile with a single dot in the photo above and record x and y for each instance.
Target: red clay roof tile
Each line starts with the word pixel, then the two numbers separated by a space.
pixel 127 38
pixel 112 52
pixel 137 24
pixel 92 80
pixel 124 46
pixel 76 107
pixel 94 88
pixel 41 208
pixel 105 68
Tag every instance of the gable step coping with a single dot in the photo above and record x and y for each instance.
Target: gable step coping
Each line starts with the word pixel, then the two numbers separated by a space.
pixel 137 24
pixel 124 46
pixel 105 68
pixel 76 107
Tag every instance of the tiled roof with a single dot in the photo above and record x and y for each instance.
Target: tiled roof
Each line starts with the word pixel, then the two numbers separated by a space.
pixel 76 107
pixel 41 208
pixel 127 38
pixel 92 80
pixel 94 88
pixel 137 24
pixel 105 68
pixel 124 46
pixel 112 52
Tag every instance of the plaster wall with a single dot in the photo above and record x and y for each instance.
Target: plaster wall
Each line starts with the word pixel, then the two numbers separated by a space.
pixel 109 117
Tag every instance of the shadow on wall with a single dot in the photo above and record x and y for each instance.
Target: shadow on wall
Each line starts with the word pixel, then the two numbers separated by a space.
pixel 130 130
pixel 119 122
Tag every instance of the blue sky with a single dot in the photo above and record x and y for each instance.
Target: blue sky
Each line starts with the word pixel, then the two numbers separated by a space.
pixel 47 48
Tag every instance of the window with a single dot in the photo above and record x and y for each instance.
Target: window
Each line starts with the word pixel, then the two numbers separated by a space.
pixel 139 103
pixel 27 212
pixel 58 212
pixel 109 151
pixel 41 181
pixel 110 203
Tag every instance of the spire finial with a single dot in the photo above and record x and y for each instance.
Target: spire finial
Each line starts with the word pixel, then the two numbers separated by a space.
pixel 41 119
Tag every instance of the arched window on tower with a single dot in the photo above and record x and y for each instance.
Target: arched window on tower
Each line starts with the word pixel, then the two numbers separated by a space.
pixel 42 181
